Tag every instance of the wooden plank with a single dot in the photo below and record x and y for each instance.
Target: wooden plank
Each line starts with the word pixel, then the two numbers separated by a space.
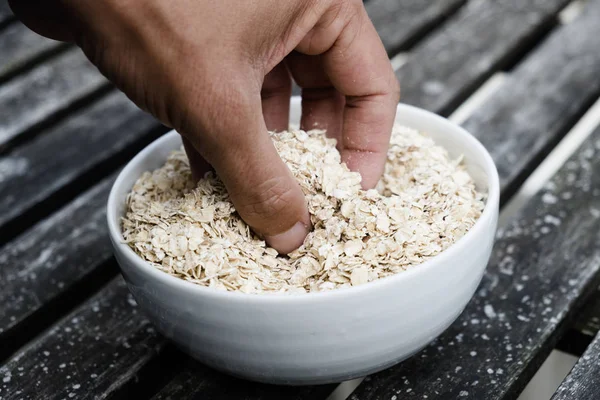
pixel 46 90
pixel 197 380
pixel 22 47
pixel 401 23
pixel 541 99
pixel 100 348
pixel 481 38
pixel 89 354
pixel 583 382
pixel 66 158
pixel 49 260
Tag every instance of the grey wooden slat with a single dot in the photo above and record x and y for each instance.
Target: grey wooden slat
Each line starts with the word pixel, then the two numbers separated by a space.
pixel 542 98
pixel 64 154
pixel 481 38
pixel 399 23
pixel 46 90
pixel 583 382
pixel 197 380
pixel 62 366
pixel 50 258
pixel 19 46
pixel 100 347
pixel 544 264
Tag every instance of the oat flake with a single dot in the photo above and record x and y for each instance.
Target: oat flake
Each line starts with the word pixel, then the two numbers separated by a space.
pixel 424 202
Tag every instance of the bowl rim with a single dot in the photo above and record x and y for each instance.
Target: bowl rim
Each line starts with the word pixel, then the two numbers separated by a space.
pixel 490 212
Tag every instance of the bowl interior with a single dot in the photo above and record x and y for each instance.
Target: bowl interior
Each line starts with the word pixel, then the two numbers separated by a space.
pixel 450 136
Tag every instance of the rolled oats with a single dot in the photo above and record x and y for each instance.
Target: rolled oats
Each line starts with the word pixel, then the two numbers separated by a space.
pixel 424 202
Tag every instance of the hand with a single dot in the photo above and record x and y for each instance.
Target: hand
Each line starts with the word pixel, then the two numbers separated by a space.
pixel 219 73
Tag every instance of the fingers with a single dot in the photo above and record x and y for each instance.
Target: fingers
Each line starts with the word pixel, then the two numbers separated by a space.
pixel 260 185
pixel 358 67
pixel 275 96
pixel 322 104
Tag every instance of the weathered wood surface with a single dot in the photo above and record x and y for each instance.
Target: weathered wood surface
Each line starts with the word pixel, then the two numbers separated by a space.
pixel 198 381
pixel 542 98
pixel 583 382
pixel 482 37
pixel 46 262
pixel 20 47
pixel 64 159
pixel 545 263
pixel 91 353
pixel 401 23
pixel 100 348
pixel 47 90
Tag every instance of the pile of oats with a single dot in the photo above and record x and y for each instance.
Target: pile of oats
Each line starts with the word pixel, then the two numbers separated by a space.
pixel 424 202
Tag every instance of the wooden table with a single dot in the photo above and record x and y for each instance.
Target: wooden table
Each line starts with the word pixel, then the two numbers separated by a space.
pixel 70 329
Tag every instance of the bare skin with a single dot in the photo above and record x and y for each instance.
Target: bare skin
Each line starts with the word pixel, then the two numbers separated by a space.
pixel 220 72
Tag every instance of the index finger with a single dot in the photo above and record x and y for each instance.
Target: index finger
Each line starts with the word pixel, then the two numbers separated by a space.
pixel 358 67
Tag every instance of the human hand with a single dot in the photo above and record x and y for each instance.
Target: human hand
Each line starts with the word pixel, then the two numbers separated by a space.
pixel 219 73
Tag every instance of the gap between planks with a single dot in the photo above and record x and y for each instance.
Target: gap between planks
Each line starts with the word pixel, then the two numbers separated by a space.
pixel 552 163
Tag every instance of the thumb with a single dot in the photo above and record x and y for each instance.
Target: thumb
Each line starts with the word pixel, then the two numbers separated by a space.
pixel 261 187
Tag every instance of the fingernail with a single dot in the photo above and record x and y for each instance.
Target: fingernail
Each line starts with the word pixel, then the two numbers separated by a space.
pixel 290 240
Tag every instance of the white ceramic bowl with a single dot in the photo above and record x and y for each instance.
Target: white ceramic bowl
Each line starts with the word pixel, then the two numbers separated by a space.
pixel 316 337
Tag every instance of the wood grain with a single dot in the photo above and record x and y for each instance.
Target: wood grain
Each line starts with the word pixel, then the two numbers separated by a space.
pixel 401 23
pixel 87 355
pixel 49 259
pixel 65 159
pixel 481 38
pixel 197 380
pixel 46 90
pixel 583 382
pixel 541 99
